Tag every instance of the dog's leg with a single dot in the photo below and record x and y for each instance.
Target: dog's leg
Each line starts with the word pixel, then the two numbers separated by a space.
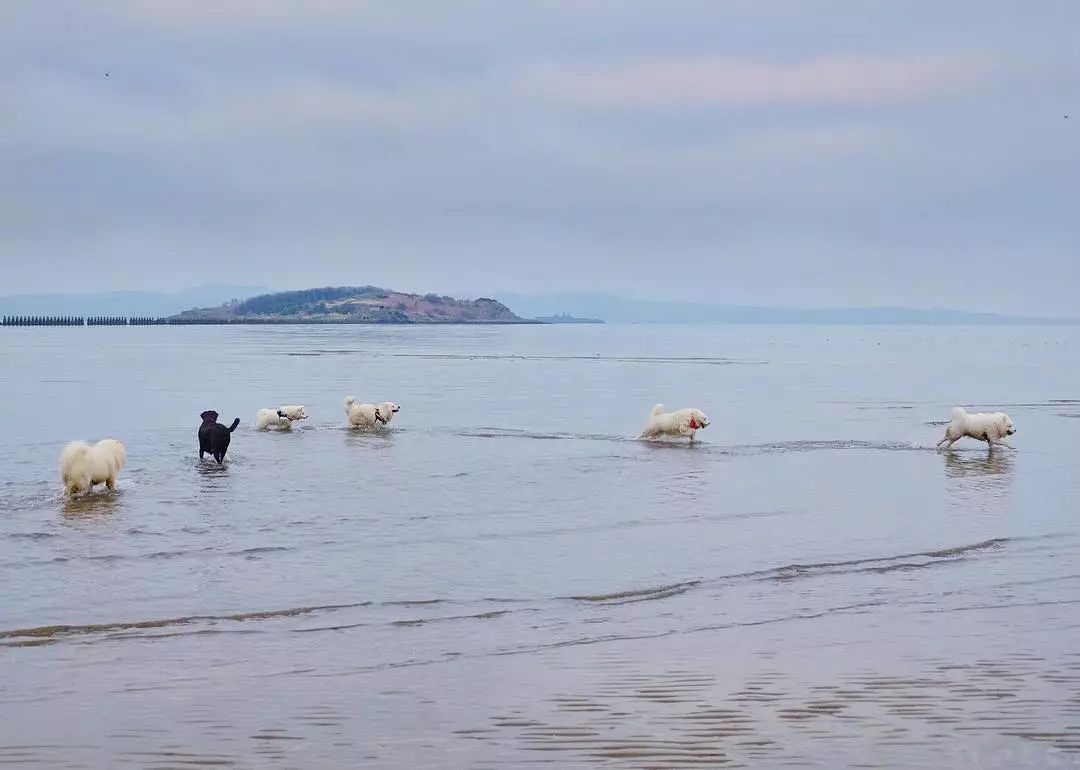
pixel 949 441
pixel 111 484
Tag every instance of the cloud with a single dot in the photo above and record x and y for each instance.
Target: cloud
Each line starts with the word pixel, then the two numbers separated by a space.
pixel 238 13
pixel 684 82
pixel 485 144
pixel 102 115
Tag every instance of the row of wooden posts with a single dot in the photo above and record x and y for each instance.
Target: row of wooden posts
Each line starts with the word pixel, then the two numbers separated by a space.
pixel 76 320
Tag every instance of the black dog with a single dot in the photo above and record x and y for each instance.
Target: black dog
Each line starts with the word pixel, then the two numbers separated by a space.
pixel 214 437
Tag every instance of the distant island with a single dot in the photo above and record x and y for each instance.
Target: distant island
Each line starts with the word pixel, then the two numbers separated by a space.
pixel 566 318
pixel 354 304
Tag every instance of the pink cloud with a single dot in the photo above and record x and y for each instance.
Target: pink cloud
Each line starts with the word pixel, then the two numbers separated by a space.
pixel 709 81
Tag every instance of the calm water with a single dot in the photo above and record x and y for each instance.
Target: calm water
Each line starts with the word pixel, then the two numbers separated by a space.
pixel 506 579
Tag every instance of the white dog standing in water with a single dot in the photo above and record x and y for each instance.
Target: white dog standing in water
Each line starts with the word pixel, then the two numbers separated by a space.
pixel 282 418
pixel 83 465
pixel 370 415
pixel 991 427
pixel 685 422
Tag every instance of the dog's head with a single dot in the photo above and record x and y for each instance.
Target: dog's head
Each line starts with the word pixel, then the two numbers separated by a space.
pixel 293 412
pixel 387 410
pixel 1006 424
pixel 698 419
pixel 209 416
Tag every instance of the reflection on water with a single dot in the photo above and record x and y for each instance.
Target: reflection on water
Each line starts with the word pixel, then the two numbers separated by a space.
pixel 101 502
pixel 992 463
pixel 507 577
pixel 979 481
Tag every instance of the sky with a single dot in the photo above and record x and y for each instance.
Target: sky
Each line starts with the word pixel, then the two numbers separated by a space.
pixel 774 152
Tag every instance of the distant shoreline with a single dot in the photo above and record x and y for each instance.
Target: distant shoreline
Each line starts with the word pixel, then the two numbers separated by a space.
pixel 52 322
pixel 57 321
pixel 562 318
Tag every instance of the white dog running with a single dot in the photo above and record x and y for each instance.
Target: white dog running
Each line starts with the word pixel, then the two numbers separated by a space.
pixel 991 427
pixel 83 465
pixel 684 422
pixel 282 418
pixel 370 415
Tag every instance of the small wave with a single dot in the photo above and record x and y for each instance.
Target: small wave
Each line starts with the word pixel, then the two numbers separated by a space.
pixel 879 563
pixel 640 594
pixel 776 447
pixel 31 535
pixel 706 360
pixel 787 572
pixel 112 558
pixel 414 602
pixel 319 352
pixel 260 549
pixel 784 447
pixel 442 619
pixel 486 432
pixel 56 632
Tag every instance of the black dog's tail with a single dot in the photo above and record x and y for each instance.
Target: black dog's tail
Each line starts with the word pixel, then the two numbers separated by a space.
pixel 234 424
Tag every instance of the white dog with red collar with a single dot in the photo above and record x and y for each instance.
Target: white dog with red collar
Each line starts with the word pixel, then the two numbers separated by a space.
pixel 685 422
pixel 370 415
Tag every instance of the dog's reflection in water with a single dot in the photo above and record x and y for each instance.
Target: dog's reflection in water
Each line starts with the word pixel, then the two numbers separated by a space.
pixel 210 468
pixel 959 465
pixel 92 504
pixel 979 481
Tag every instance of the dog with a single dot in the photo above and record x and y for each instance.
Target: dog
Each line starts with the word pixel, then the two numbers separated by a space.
pixel 214 437
pixel 83 465
pixel 370 415
pixel 282 417
pixel 685 422
pixel 991 427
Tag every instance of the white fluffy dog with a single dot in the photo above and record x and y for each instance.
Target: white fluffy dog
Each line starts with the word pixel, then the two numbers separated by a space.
pixel 991 427
pixel 83 465
pixel 370 415
pixel 685 422
pixel 282 418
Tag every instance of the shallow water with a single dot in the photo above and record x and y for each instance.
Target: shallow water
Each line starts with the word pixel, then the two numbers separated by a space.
pixel 506 578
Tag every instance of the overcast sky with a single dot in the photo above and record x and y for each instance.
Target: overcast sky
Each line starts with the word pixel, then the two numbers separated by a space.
pixel 808 153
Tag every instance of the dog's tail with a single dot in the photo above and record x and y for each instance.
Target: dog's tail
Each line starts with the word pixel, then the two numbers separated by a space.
pixel 234 424
pixel 658 409
pixel 349 401
pixel 958 413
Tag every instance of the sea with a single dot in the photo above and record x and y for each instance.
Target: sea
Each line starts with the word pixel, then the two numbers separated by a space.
pixel 507 578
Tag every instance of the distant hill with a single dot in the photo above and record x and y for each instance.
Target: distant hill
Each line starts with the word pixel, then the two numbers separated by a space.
pixel 356 304
pixel 622 310
pixel 124 303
